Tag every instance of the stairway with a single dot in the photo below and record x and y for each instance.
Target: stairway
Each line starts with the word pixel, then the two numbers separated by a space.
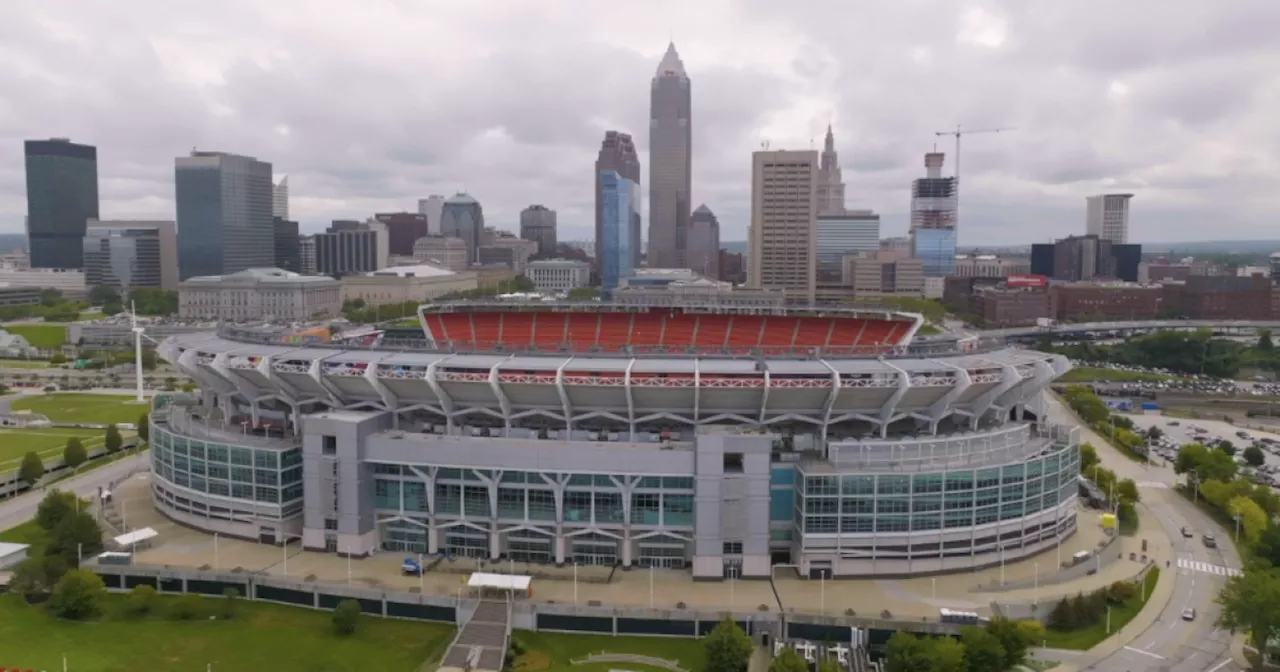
pixel 481 644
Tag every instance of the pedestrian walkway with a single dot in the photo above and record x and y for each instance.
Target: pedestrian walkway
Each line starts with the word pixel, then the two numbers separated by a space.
pixel 1207 568
pixel 1153 485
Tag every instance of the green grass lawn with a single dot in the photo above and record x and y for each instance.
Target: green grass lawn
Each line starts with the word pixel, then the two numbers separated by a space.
pixel 23 364
pixel 40 335
pixel 1093 374
pixel 1087 638
pixel 546 651
pixel 95 408
pixel 14 443
pixel 928 330
pixel 26 533
pixel 261 637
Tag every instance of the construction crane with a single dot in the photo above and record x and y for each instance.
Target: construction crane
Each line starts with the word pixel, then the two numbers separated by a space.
pixel 960 131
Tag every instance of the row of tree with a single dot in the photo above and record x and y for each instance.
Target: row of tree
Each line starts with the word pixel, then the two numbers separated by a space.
pixel 146 300
pixel 68 533
pixel 1001 645
pixel 1083 611
pixel 74 453
pixel 1213 473
pixel 1194 352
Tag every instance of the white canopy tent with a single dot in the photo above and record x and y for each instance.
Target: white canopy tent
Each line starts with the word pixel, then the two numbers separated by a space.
pixel 132 539
pixel 499 581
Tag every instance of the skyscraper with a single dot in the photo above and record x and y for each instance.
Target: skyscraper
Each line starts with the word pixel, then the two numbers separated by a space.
pixel 538 223
pixel 462 217
pixel 830 179
pixel 704 242
pixel 403 228
pixel 62 196
pixel 431 207
pixel 1107 217
pixel 280 199
pixel 287 251
pixel 620 204
pixel 224 204
pixel 852 232
pixel 933 218
pixel 670 163
pixel 617 154
pixel 127 255
pixel 784 209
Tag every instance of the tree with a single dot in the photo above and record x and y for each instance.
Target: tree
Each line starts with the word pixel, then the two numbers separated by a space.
pixel 32 469
pixel 1253 520
pixel 1088 457
pixel 1154 433
pixel 1127 491
pixel 142 600
pixel 187 607
pixel 346 617
pixel 727 648
pixel 74 537
pixel 78 595
pixel 57 358
pixel 112 308
pixel 74 454
pixel 788 660
pixel 1268 546
pixel 1013 640
pixel 56 507
pixel 829 665
pixel 982 650
pixel 906 652
pixel 1250 602
pixel 144 427
pixel 947 654
pixel 50 297
pixel 36 575
pixel 113 440
pixel 1264 340
pixel 100 295
pixel 1254 456
pixel 1227 447
pixel 230 603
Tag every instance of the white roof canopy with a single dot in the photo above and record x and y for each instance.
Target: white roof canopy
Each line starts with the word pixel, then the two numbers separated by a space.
pixel 502 581
pixel 131 538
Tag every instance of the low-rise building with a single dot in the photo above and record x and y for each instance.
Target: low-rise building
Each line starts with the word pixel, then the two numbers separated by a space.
pixel 11 295
pixel 990 266
pixel 15 346
pixel 884 273
pixel 1104 301
pixel 443 252
pixel 999 306
pixel 698 291
pixel 558 275
pixel 507 249
pixel 1220 297
pixel 492 275
pixel 397 284
pixel 71 282
pixel 259 294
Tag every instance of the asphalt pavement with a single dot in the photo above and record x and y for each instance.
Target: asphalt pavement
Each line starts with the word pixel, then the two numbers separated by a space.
pixel 18 510
pixel 1162 640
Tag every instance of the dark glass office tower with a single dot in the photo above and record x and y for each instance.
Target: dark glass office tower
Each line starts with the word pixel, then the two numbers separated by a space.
pixel 62 195
pixel 224 214
pixel 670 163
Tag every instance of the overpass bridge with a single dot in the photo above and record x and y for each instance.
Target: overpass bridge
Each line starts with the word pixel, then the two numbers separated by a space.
pixel 1131 326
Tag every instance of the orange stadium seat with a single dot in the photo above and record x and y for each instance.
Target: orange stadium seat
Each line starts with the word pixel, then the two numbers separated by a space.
pixel 679 331
pixel 583 329
pixel 488 328
pixel 548 330
pixel 517 329
pixel 745 330
pixel 615 329
pixel 779 331
pixel 436 325
pixel 458 326
pixel 876 333
pixel 647 330
pixel 846 332
pixel 712 331
pixel 813 332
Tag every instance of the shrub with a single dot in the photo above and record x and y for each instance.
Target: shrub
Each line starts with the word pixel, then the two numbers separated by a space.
pixel 230 603
pixel 78 595
pixel 187 607
pixel 74 454
pixel 346 616
pixel 141 600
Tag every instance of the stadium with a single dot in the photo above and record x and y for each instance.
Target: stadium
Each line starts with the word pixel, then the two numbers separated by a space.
pixel 725 442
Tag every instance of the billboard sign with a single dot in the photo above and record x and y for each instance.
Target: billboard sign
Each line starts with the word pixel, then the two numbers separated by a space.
pixel 1027 281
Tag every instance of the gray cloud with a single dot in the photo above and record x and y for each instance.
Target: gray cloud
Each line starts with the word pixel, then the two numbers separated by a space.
pixel 371 106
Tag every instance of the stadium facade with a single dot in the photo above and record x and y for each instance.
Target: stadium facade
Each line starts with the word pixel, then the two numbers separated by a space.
pixel 723 441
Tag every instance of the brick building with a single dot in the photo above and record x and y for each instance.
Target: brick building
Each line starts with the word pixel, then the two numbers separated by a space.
pixel 1220 297
pixel 999 306
pixel 1096 302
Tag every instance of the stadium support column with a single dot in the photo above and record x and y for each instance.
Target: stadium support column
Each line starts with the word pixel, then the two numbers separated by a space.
pixel 491 487
pixel 428 479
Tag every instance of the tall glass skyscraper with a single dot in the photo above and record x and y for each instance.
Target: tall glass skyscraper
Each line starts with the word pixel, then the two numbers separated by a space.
pixel 462 217
pixel 670 163
pixel 933 218
pixel 224 214
pixel 617 153
pixel 620 206
pixel 937 249
pixel 62 195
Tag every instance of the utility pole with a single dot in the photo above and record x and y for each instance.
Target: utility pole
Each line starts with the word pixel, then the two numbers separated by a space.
pixel 960 131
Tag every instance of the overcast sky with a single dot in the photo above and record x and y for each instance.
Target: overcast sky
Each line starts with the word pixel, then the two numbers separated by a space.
pixel 370 105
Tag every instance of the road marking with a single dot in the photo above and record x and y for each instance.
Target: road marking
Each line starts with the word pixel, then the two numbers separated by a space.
pixel 1207 568
pixel 1145 653
pixel 1217 667
pixel 1153 485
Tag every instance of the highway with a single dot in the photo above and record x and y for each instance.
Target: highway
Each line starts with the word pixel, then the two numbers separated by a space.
pixel 1170 643
pixel 18 510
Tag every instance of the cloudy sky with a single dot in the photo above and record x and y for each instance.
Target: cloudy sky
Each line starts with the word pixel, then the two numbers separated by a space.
pixel 370 105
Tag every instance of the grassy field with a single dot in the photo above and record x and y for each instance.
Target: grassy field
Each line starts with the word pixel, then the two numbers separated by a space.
pixel 1087 638
pixel 928 330
pixel 1092 374
pixel 23 364
pixel 41 335
pixel 261 637
pixel 545 651
pixel 27 533
pixel 95 408
pixel 14 443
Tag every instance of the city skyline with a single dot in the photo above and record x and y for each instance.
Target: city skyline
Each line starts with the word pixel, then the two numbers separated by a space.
pixel 1128 109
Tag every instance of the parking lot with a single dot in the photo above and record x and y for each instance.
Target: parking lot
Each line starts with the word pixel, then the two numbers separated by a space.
pixel 1179 432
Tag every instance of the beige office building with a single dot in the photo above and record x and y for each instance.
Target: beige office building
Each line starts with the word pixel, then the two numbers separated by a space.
pixel 884 274
pixel 420 282
pixel 444 251
pixel 259 294
pixel 783 235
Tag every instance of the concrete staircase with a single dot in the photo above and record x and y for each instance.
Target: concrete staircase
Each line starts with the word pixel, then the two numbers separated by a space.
pixel 481 643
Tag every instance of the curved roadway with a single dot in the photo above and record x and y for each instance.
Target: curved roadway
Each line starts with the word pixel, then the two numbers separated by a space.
pixel 1170 643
